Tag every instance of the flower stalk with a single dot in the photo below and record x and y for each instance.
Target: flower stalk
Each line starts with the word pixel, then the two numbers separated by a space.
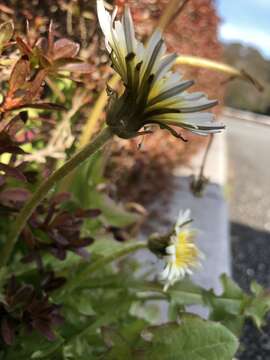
pixel 100 263
pixel 47 185
pixel 174 8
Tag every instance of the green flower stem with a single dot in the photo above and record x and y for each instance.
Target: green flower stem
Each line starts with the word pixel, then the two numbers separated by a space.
pixel 46 186
pixel 96 265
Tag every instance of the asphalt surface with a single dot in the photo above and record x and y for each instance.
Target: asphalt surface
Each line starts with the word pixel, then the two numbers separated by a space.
pixel 249 199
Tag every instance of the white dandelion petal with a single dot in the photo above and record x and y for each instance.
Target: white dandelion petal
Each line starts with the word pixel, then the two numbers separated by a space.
pixel 171 94
pixel 148 63
pixel 166 286
pixel 178 103
pixel 169 81
pixel 105 20
pixel 195 106
pixel 183 217
pixel 185 256
pixel 150 47
pixel 197 122
pixel 193 96
pixel 165 273
pixel 120 39
pixel 188 271
pixel 170 250
pixel 172 273
pixel 164 66
pixel 131 42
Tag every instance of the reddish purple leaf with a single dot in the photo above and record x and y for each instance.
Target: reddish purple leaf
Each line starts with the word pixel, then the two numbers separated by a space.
pixel 12 172
pixel 35 87
pixel 65 48
pixel 19 74
pixel 82 68
pixel 88 213
pixel 7 331
pixel 23 46
pixel 14 126
pixel 44 60
pixel 2 180
pixel 42 45
pixel 82 253
pixel 61 198
pixel 14 195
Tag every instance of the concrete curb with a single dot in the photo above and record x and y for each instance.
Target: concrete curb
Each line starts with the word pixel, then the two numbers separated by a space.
pixel 210 214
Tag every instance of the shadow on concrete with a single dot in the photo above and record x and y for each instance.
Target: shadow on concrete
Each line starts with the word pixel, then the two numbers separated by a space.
pixel 251 255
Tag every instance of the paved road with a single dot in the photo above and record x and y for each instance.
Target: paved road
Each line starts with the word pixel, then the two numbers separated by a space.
pixel 249 198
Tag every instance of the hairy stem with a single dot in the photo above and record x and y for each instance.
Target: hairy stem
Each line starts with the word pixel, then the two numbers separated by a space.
pixel 46 186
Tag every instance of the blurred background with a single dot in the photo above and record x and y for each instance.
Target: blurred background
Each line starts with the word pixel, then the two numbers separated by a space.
pixel 245 33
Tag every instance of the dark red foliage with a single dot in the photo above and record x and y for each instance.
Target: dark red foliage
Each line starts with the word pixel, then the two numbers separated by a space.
pixel 60 228
pixel 42 316
pixel 23 307
pixel 53 55
pixel 40 58
pixel 9 143
pixel 50 282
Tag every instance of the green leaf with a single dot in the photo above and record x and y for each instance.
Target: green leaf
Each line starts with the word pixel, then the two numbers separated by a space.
pixel 259 305
pixel 86 178
pixel 233 305
pixel 147 311
pixel 114 213
pixel 120 348
pixel 186 293
pixel 230 301
pixel 192 339
pixel 81 302
pixel 34 346
pixel 105 247
pixel 84 187
pixel 228 308
pixel 122 341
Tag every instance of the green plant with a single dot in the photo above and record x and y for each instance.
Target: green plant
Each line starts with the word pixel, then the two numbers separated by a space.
pixel 68 289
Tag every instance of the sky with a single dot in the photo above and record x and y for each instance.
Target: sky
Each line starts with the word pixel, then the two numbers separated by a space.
pixel 246 21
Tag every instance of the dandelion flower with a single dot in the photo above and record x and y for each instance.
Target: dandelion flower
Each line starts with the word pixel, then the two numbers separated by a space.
pixel 153 93
pixel 182 255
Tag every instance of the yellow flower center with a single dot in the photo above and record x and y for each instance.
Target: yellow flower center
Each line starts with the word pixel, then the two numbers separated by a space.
pixel 186 253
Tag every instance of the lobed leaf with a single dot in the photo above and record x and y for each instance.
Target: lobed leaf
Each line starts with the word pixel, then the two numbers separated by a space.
pixel 259 305
pixel 192 339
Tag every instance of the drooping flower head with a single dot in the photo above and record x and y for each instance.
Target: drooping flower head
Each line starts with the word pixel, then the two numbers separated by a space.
pixel 182 255
pixel 153 93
